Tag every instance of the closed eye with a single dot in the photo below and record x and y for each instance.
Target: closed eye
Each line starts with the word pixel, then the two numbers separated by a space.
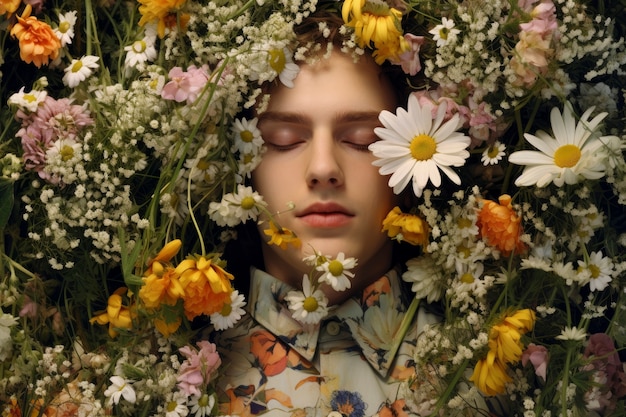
pixel 358 135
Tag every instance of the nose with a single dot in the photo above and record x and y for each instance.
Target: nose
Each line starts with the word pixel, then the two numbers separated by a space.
pixel 324 167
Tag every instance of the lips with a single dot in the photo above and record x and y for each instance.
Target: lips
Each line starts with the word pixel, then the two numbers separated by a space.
pixel 325 215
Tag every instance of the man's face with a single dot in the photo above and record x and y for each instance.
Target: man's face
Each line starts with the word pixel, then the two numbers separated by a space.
pixel 317 135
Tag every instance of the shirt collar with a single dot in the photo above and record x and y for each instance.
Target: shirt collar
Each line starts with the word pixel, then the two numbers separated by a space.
pixel 376 319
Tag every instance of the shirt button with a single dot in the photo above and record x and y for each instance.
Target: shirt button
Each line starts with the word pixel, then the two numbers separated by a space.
pixel 333 328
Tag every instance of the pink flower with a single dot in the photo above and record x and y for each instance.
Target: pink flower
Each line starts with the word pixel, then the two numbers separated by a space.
pixel 185 85
pixel 410 60
pixel 538 356
pixel 605 361
pixel 54 119
pixel 30 309
pixel 198 368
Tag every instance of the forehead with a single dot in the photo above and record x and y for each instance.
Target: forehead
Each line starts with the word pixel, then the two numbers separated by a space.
pixel 338 82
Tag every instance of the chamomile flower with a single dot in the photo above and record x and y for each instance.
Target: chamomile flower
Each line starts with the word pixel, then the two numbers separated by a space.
pixel 79 70
pixel 572 154
pixel 28 101
pixel 247 136
pixel 237 207
pixel 201 405
pixel 308 306
pixel 493 154
pixel 230 313
pixel 444 32
pixel 426 278
pixel 176 406
pixel 142 50
pixel 572 333
pixel 600 270
pixel 416 147
pixel 281 61
pixel 65 30
pixel 336 272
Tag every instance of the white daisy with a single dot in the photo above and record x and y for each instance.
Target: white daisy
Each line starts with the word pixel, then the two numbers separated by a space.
pixel 247 136
pixel 573 153
pixel 231 313
pixel 572 333
pixel 600 270
pixel 493 154
pixel 120 388
pixel 237 207
pixel 65 30
pixel 28 102
pixel 142 50
pixel 176 406
pixel 308 306
pixel 281 61
pixel 426 278
pixel 414 146
pixel 79 70
pixel 444 32
pixel 201 405
pixel 336 272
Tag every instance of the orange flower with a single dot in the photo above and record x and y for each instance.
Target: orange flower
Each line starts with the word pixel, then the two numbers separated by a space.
pixel 12 409
pixel 282 237
pixel 207 286
pixel 406 227
pixel 163 12
pixel 500 225
pixel 116 315
pixel 9 6
pixel 37 41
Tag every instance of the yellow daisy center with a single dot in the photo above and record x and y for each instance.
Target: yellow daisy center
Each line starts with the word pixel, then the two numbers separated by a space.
pixel 310 304
pixel 64 27
pixel 203 165
pixel 30 98
pixel 443 32
pixel 423 147
pixel 464 223
pixel 77 66
pixel 467 278
pixel 67 153
pixel 139 46
pixel 493 152
pixel 204 400
pixel 171 406
pixel 277 60
pixel 335 268
pixel 595 271
pixel 226 310
pixel 567 156
pixel 246 136
pixel 247 203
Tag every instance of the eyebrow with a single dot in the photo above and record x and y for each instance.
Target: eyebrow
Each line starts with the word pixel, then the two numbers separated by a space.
pixel 344 117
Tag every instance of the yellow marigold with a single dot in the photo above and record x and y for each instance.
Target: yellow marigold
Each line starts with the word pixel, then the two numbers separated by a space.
pixel 406 227
pixel 116 315
pixel 207 286
pixel 282 237
pixel 505 337
pixel 490 375
pixel 9 6
pixel 165 327
pixel 373 22
pixel 161 287
pixel 37 41
pixel 163 12
pixel 500 225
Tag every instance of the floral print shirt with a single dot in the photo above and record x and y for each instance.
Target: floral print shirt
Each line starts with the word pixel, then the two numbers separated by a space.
pixel 352 362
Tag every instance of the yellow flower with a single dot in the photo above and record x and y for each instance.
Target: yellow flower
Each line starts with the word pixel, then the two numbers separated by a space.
pixel 37 41
pixel 116 315
pixel 207 286
pixel 9 6
pixel 406 227
pixel 490 375
pixel 505 337
pixel 282 237
pixel 373 22
pixel 164 12
pixel 161 287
